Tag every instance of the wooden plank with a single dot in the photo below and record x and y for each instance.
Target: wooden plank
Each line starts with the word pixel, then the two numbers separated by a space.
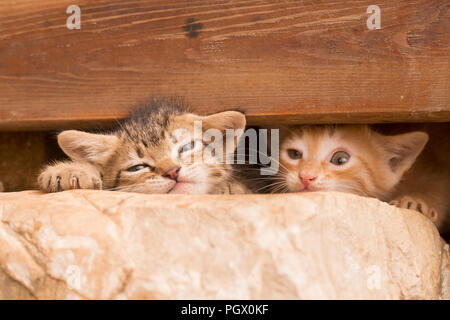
pixel 285 61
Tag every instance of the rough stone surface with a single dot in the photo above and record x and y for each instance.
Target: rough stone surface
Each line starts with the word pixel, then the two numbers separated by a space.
pixel 112 245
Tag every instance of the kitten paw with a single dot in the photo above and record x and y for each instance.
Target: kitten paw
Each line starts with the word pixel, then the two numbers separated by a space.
pixel 69 175
pixel 416 204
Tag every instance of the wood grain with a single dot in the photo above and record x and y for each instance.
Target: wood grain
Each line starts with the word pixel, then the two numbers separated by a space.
pixel 278 61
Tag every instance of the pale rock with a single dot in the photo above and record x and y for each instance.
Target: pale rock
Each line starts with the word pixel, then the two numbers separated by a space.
pixel 113 245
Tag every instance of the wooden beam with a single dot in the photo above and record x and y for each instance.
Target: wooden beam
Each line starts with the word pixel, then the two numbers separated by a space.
pixel 284 61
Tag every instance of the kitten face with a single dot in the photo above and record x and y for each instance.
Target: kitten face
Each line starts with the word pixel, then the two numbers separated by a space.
pixel 351 159
pixel 157 152
pixel 179 163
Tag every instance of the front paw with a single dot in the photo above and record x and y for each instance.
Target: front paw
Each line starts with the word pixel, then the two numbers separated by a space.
pixel 69 175
pixel 416 204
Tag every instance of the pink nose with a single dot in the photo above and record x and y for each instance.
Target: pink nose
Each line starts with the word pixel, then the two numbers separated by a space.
pixel 172 173
pixel 307 178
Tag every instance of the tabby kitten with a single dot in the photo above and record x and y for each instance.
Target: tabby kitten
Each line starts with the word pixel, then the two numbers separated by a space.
pixel 159 149
pixel 359 160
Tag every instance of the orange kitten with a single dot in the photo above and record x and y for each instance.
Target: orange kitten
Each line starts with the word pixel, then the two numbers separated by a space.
pixel 356 159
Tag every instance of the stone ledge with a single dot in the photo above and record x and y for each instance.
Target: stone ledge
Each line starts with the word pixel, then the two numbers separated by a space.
pixel 113 245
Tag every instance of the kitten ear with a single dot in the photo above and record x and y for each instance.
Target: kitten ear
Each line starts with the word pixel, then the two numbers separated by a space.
pixel 222 121
pixel 225 120
pixel 90 147
pixel 403 149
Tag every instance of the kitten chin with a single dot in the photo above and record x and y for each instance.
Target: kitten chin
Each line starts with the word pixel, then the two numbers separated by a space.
pixel 359 160
pixel 159 149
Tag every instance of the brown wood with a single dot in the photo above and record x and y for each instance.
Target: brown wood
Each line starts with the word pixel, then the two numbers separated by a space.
pixel 285 61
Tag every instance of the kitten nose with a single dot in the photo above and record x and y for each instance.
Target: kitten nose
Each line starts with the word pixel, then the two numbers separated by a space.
pixel 307 178
pixel 172 173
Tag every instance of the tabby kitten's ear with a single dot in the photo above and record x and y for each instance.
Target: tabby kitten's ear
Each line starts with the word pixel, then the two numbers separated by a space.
pixel 226 120
pixel 403 149
pixel 87 147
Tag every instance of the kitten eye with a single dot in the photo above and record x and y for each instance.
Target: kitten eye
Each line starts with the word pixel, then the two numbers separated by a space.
pixel 339 158
pixel 139 167
pixel 294 154
pixel 186 147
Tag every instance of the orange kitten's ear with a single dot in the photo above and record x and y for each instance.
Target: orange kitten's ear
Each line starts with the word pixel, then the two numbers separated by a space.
pixel 403 150
pixel 88 147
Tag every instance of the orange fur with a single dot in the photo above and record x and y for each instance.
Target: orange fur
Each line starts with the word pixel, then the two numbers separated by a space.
pixel 380 166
